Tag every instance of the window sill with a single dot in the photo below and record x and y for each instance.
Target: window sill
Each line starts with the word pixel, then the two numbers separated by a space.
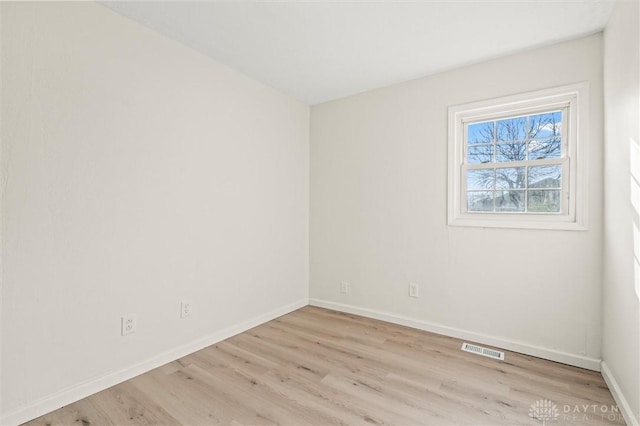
pixel 509 222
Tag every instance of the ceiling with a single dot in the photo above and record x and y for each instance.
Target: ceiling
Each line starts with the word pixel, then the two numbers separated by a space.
pixel 321 50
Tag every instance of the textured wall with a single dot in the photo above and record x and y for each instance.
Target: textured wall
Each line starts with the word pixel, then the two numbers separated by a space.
pixel 379 213
pixel 621 343
pixel 137 173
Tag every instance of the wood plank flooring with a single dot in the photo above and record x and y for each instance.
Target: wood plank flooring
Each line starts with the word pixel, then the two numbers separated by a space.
pixel 319 367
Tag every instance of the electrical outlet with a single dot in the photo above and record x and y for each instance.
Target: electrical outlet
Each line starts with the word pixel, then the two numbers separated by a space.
pixel 414 290
pixel 344 287
pixel 186 308
pixel 129 324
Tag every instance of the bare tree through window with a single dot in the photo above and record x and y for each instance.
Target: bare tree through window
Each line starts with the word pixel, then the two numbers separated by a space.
pixel 515 178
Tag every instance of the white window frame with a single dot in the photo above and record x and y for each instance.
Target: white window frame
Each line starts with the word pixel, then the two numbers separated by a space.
pixel 573 101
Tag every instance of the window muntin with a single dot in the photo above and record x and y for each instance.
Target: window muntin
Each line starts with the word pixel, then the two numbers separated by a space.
pixel 515 164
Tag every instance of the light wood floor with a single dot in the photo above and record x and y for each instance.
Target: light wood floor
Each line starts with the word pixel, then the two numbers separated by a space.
pixel 320 367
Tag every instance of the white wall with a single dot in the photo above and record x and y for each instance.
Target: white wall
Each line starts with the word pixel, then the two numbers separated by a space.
pixel 137 172
pixel 621 342
pixel 378 216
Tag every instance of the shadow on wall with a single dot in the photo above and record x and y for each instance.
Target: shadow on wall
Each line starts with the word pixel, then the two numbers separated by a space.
pixel 634 149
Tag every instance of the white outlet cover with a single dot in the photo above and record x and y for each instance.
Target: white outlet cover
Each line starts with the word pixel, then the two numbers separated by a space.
pixel 414 290
pixel 344 287
pixel 129 324
pixel 186 308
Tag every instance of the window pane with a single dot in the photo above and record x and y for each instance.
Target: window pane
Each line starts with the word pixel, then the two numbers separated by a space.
pixel 511 129
pixel 545 176
pixel 544 148
pixel 510 178
pixel 511 152
pixel 545 125
pixel 480 179
pixel 510 201
pixel 480 154
pixel 480 201
pixel 480 133
pixel 544 201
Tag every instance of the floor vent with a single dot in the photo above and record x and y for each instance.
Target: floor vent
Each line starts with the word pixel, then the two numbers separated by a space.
pixel 483 351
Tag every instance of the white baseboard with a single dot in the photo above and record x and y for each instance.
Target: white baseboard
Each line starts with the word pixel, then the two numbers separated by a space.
pixel 511 345
pixel 623 405
pixel 82 390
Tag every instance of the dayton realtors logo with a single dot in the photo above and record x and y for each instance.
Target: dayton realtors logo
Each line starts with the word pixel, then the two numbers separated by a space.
pixel 544 410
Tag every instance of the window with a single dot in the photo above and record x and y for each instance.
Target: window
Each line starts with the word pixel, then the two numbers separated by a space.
pixel 518 162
